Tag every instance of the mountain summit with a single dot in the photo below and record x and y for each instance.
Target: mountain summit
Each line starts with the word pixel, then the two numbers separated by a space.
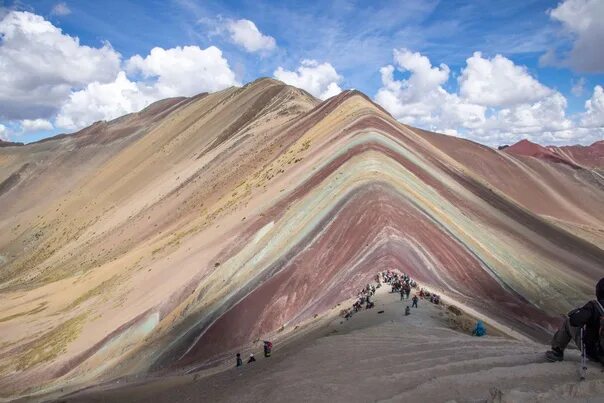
pixel 167 239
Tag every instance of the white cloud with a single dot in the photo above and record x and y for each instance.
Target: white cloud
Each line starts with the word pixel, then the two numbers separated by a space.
pixel 424 77
pixel 183 71
pixel 321 80
pixel 3 132
pixel 101 101
pixel 421 99
pixel 582 21
pixel 498 101
pixel 246 34
pixel 35 125
pixel 39 66
pixel 60 9
pixel 45 73
pixel 498 82
pixel 578 87
pixel 546 116
pixel 594 109
pixel 180 71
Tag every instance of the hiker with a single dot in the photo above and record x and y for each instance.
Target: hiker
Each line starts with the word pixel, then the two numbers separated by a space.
pixel 479 329
pixel 407 311
pixel 402 294
pixel 268 348
pixel 591 315
pixel 407 291
pixel 252 358
pixel 415 299
pixel 239 360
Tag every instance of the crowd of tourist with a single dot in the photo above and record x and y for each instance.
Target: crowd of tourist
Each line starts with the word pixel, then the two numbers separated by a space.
pixel 399 283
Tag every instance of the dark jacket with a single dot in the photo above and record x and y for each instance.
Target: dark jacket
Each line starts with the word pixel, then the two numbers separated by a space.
pixel 589 316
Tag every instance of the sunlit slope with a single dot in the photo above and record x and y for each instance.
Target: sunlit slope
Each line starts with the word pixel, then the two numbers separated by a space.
pixel 244 212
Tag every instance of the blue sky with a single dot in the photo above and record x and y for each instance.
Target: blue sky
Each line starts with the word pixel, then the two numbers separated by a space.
pixel 543 48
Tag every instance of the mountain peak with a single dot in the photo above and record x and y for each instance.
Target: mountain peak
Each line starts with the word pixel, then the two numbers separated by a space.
pixel 200 226
pixel 575 156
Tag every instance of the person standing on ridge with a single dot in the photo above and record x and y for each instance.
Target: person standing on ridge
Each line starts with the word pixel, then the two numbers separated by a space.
pixel 268 348
pixel 414 299
pixel 591 315
pixel 239 360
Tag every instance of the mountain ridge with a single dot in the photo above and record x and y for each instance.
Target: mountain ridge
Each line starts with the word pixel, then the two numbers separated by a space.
pixel 153 246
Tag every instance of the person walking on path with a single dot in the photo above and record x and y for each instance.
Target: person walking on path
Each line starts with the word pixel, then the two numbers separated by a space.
pixel 415 299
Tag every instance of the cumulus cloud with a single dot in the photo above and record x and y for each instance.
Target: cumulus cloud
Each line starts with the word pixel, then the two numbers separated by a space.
pixel 582 22
pixel 497 101
pixel 545 117
pixel 594 109
pixel 101 101
pixel 321 80
pixel 498 82
pixel 420 99
pixel 39 66
pixel 3 132
pixel 183 71
pixel 245 33
pixel 164 73
pixel 35 125
pixel 46 74
pixel 424 77
pixel 60 9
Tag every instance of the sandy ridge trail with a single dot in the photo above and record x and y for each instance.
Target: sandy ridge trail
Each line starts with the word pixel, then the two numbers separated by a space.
pixel 389 357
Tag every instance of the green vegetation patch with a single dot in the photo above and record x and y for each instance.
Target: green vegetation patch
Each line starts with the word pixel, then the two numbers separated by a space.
pixel 102 289
pixel 50 345
pixel 39 308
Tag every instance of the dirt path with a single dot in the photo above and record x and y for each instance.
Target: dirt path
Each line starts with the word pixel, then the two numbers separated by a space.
pixel 380 357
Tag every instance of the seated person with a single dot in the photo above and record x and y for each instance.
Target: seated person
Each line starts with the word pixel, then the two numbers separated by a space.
pixel 479 330
pixel 591 315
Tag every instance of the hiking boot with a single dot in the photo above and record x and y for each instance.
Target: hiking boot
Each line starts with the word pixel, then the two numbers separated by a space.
pixel 554 355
